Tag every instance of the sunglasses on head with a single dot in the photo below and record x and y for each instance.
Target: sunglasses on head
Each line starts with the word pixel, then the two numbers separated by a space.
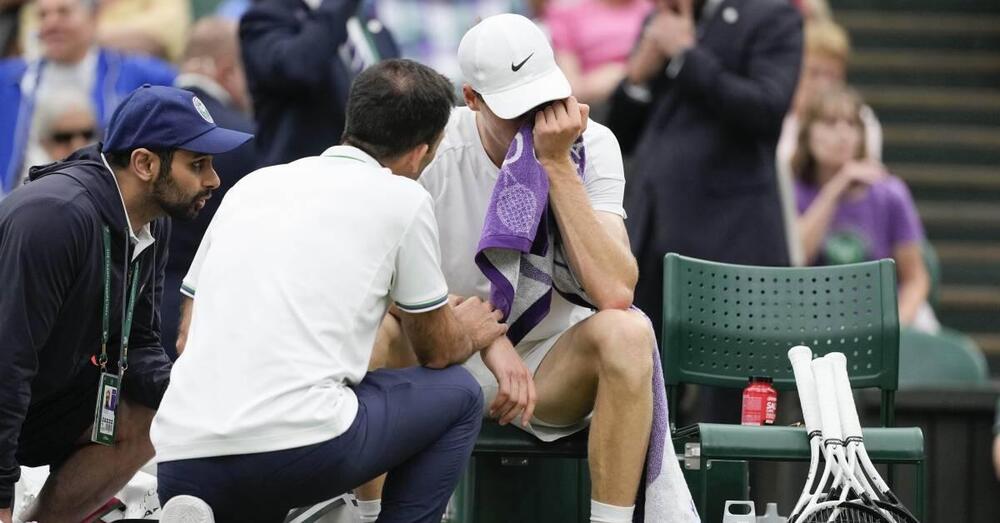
pixel 65 137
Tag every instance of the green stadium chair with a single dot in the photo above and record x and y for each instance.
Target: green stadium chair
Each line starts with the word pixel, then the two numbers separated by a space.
pixel 946 359
pixel 723 323
pixel 514 477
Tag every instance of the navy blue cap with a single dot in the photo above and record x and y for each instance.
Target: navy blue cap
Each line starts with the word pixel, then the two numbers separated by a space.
pixel 160 117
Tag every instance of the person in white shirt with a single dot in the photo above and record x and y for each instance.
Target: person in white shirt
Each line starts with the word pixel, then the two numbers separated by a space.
pixel 578 367
pixel 270 406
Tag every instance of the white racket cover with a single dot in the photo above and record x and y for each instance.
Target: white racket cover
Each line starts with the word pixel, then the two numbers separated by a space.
pixel 827 399
pixel 801 358
pixel 850 425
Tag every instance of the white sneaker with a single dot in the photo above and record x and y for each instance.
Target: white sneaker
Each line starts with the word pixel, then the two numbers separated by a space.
pixel 186 509
pixel 340 509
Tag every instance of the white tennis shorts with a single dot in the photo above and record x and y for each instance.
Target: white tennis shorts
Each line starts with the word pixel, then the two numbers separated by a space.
pixel 532 352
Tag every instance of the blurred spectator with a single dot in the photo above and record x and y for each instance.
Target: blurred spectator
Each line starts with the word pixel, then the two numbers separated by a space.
pixel 850 208
pixel 65 122
pixel 826 52
pixel 429 31
pixel 232 9
pixel 702 180
pixel 10 14
pixel 211 68
pixel 592 40
pixel 154 27
pixel 814 9
pixel 300 58
pixel 70 58
pixel 996 443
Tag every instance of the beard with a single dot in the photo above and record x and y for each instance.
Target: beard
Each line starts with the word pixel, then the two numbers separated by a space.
pixel 173 201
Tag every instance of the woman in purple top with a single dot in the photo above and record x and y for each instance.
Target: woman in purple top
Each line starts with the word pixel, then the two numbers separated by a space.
pixel 850 208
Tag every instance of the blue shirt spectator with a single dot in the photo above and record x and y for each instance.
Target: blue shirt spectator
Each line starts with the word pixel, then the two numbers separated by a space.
pixel 70 58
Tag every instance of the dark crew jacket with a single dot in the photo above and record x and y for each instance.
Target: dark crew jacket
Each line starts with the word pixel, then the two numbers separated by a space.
pixel 51 273
pixel 703 181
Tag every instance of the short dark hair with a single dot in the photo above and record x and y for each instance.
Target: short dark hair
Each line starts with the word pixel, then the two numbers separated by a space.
pixel 121 159
pixel 395 106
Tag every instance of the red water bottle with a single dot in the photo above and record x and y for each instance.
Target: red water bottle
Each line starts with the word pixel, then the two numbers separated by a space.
pixel 760 402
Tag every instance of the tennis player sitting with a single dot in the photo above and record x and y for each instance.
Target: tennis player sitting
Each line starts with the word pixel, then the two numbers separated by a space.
pixel 562 366
pixel 270 406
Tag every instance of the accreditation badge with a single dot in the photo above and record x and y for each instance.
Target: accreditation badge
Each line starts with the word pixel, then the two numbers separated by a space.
pixel 106 410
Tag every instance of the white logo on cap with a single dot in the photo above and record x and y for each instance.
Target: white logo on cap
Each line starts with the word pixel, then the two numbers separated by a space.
pixel 202 110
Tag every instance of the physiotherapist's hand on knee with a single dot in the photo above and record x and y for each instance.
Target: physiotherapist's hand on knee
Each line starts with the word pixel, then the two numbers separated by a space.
pixel 516 393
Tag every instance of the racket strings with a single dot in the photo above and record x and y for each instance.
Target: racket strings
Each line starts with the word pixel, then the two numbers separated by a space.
pixel 847 514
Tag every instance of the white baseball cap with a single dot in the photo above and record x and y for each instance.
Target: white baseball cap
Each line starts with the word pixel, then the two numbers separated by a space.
pixel 508 60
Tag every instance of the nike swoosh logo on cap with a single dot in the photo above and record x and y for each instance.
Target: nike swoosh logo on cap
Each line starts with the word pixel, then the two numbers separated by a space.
pixel 517 67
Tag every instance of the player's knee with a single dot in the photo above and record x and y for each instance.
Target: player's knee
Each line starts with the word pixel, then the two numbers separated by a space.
pixel 625 345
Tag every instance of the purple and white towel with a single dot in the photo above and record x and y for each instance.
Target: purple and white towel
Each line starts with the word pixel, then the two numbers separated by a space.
pixel 519 249
pixel 521 254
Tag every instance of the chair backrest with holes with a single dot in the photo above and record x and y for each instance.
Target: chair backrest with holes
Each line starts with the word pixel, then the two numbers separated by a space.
pixel 724 323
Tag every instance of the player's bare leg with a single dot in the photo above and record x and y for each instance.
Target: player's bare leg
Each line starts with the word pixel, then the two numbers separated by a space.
pixel 604 363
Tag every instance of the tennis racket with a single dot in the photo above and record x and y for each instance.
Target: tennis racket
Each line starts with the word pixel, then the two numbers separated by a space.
pixel 858 461
pixel 800 357
pixel 839 496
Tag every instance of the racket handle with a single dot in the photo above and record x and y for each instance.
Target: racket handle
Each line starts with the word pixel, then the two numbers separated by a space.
pixel 849 422
pixel 801 357
pixel 829 416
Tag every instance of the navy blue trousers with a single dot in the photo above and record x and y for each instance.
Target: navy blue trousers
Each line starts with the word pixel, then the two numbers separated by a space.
pixel 417 424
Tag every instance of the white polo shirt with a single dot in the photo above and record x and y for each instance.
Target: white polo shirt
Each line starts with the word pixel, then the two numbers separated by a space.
pixel 290 282
pixel 461 180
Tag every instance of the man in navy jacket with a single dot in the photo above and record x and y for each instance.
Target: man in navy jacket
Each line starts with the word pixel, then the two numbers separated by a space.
pixel 710 82
pixel 71 241
pixel 300 58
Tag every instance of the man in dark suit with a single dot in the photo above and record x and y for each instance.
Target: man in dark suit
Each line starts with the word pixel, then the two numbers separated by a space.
pixel 212 70
pixel 301 56
pixel 701 109
pixel 708 85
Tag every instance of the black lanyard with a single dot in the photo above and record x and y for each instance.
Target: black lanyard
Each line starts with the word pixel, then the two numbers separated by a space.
pixel 129 308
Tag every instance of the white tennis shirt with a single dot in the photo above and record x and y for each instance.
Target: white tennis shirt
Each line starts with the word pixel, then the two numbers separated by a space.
pixel 461 180
pixel 290 282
